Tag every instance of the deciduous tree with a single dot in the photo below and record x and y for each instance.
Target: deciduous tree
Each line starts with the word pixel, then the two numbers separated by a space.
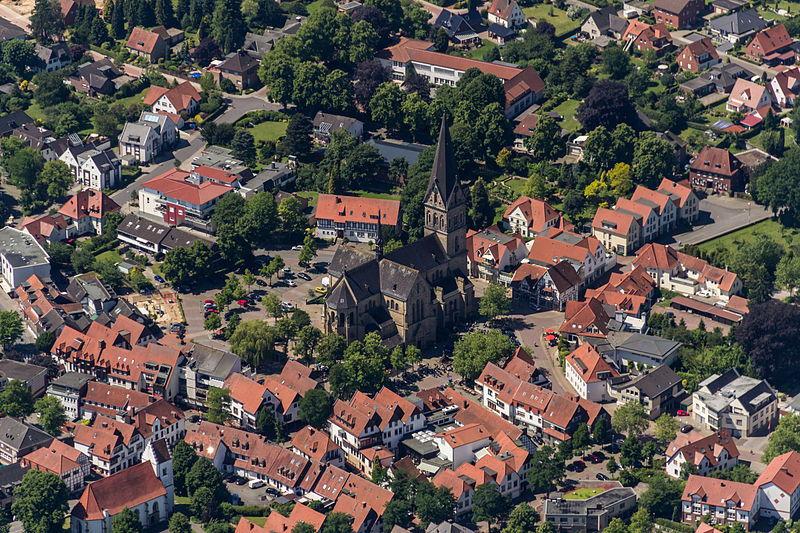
pixel 630 418
pixel 495 301
pixel 473 351
pixel 218 402
pixel 315 408
pixel 51 414
pixel 11 328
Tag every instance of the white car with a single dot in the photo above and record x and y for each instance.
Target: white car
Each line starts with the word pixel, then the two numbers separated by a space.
pixel 297 247
pixel 291 283
pixel 287 270
pixel 288 306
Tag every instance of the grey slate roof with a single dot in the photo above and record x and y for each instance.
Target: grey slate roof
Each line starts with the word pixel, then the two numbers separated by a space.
pixel 10 31
pixel 20 436
pixel 22 371
pixel 444 172
pixel 422 254
pixel 135 133
pixel 20 249
pixel 212 361
pixel 72 380
pixel 739 23
pixel 730 386
pixel 657 381
pixel 347 258
pixel 452 23
pixel 11 121
pixel 649 345
pixel 392 150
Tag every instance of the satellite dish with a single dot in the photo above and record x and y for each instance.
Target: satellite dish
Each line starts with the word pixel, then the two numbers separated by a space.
pixel 326 281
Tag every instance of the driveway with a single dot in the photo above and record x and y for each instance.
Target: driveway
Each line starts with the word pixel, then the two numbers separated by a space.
pixel 719 215
pixel 241 105
pixel 189 145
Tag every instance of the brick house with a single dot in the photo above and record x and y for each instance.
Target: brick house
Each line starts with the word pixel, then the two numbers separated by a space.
pixel 678 13
pixel 717 169
pixel 698 55
pixel 239 68
pixel 146 43
pixel 771 46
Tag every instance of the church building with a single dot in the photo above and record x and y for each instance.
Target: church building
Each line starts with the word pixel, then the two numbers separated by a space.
pixel 412 293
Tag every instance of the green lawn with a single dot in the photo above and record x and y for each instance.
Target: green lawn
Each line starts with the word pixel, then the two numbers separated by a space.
pixel 269 131
pixel 563 24
pixel 567 109
pixel 582 494
pixel 311 195
pixel 480 52
pixel 315 6
pixel 112 255
pixel 257 520
pixel 133 99
pixel 770 228
pixel 518 186
pixel 373 194
pixel 34 111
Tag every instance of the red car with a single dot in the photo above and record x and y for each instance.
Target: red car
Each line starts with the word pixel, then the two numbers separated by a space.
pixel 243 303
pixel 681 412
pixel 209 302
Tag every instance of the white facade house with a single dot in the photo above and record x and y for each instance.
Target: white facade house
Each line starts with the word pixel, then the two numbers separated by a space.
pixel 141 141
pixel 587 371
pixel 506 13
pixel 708 454
pixel 458 445
pixel 20 258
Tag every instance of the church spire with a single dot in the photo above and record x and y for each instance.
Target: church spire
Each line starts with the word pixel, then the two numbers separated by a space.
pixel 444 173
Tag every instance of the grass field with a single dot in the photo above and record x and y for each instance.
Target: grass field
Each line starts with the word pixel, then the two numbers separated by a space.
pixel 518 186
pixel 311 195
pixel 257 520
pixel 480 52
pixel 112 255
pixel 133 99
pixel 582 494
pixel 567 109
pixel 770 228
pixel 315 6
pixel 559 19
pixel 34 111
pixel 379 195
pixel 269 131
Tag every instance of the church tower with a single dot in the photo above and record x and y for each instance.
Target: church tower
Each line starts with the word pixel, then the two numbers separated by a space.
pixel 445 202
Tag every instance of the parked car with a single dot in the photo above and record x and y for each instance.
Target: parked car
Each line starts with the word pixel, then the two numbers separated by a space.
pixel 194 419
pixel 159 279
pixel 287 270
pixel 209 302
pixel 291 283
pixel 261 283
pixel 287 306
pixel 601 476
pixel 242 302
pixel 321 290
pixel 303 275
pixel 682 412
pixel 297 247
pixel 257 297
pixel 241 481
pixel 273 492
pixel 686 428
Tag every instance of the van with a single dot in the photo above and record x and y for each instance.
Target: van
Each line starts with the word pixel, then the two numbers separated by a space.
pixel 255 483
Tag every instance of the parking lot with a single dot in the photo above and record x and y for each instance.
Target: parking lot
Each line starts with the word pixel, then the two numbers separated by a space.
pixel 719 215
pixel 193 301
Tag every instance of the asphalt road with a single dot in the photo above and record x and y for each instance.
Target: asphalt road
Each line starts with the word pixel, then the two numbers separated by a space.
pixel 719 215
pixel 240 105
pixel 187 149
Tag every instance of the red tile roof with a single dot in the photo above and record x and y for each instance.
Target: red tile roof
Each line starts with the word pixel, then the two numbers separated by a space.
pixel 536 211
pixel 314 443
pixel 526 126
pixel 143 40
pixel 277 523
pixel 343 209
pixel 695 447
pixel 400 52
pixel 656 256
pixel 57 458
pixel 769 40
pixel 680 189
pixel 88 202
pixel 634 282
pixel 464 435
pixel 783 471
pixel 613 221
pixel 140 483
pixel 718 491
pixel 485 243
pixel 587 318
pixel 246 391
pixel 470 412
pixel 716 160
pixel 502 8
pixel 215 174
pixel 116 398
pixel 590 365
pixel 179 96
pixel 698 48
pixel 174 186
pixel 660 199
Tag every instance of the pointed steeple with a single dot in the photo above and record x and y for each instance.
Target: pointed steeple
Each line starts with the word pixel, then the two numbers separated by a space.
pixel 444 172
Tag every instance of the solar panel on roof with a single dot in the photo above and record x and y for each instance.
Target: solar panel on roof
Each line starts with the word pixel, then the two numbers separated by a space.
pixel 151 118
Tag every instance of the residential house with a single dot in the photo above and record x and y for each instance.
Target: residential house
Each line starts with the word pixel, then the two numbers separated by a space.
pixel 778 497
pixel 631 350
pixel 86 212
pixel 634 282
pixel 149 493
pixel 11 121
pixel 52 58
pixel 531 216
pixel 724 7
pixel 139 141
pixel 688 275
pixel 698 56
pixel 716 169
pixel 737 26
pixel 548 287
pixel 240 68
pixel 747 97
pixel 679 14
pixel 206 367
pixel 179 201
pixel 357 218
pixel 743 405
pixel 365 423
pixel 326 123
pixel 70 8
pixel 618 230
pixel 662 204
pixel 69 389
pixel 316 444
pixel 786 86
pixel 34 377
pixel 152 237
pixel 772 46
pixel 21 257
pixel 165 124
pixel 108 400
pixel 459 444
pixel 94 296
pixel 658 389
pixel 493 255
pixel 458 27
pixel 97 169
pixel 98 77
pixel 46 308
pixel 42 139
pixel 587 371
pixel 18 439
pixel 708 454
pixel 684 198
pixel 586 319
pixel 587 255
pixel 591 514
pixel 147 44
pixel 523 87
pixel 506 13
pixel 644 36
pixel 9 31
pixel 62 460
pixel 604 22
pixel 182 98
pixel 50 228
pixel 727 502
pixel 283 394
pixel 247 397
